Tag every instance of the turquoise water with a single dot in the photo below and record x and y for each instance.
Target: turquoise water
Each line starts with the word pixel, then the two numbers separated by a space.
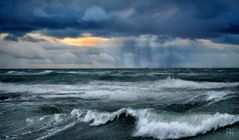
pixel 119 104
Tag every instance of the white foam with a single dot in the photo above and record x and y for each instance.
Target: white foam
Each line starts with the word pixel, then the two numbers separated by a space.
pixel 51 119
pixel 130 91
pixel 123 91
pixel 164 125
pixel 96 118
pixel 217 95
pixel 49 125
pixel 179 83
pixel 99 118
pixel 10 72
pixel 38 88
pixel 56 130
pixel 73 72
pixel 28 72
pixel 161 129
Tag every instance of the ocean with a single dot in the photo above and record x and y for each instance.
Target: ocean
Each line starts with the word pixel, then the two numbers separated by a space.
pixel 119 104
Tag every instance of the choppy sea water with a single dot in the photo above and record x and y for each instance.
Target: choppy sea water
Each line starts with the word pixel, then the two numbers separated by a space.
pixel 119 104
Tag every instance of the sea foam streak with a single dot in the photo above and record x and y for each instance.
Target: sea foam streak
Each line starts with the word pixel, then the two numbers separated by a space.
pixel 179 83
pixel 162 125
pixel 48 125
pixel 28 73
pixel 124 91
pixel 168 83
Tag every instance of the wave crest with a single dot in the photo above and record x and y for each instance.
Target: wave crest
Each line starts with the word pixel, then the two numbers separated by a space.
pixel 160 125
pixel 126 91
pixel 179 83
pixel 28 73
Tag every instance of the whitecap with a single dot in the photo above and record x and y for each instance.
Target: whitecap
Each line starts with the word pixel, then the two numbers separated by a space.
pixel 162 125
pixel 218 95
pixel 28 72
pixel 180 84
pixel 175 129
pixel 124 91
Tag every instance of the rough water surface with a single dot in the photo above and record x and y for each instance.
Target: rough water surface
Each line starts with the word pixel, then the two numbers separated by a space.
pixel 119 104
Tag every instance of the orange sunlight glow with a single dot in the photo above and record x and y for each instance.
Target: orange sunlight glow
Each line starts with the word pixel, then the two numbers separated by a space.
pixel 83 41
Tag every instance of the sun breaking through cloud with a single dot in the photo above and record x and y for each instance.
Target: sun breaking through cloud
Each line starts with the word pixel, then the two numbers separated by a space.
pixel 125 34
pixel 82 41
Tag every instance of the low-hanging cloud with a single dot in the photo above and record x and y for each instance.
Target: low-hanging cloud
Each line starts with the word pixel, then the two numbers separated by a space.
pixel 119 52
pixel 132 34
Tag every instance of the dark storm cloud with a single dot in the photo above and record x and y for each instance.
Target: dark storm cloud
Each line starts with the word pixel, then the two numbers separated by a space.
pixel 228 38
pixel 184 18
pixel 233 29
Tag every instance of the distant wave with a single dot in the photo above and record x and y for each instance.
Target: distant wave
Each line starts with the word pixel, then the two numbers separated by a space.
pixel 27 73
pixel 126 91
pixel 40 72
pixel 74 76
pixel 38 88
pixel 160 126
pixel 179 83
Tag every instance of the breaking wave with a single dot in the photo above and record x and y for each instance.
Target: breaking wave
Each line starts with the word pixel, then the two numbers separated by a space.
pixel 126 91
pixel 169 83
pixel 148 122
pixel 160 125
pixel 179 83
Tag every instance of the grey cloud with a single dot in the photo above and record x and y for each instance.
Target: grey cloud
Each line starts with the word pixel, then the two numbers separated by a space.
pixel 95 14
pixel 22 50
pixel 131 52
pixel 153 52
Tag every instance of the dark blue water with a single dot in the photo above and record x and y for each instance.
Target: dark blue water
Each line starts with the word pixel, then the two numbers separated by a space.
pixel 119 104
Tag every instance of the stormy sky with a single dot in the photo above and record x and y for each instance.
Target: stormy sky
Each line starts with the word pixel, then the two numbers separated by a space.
pixel 119 33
